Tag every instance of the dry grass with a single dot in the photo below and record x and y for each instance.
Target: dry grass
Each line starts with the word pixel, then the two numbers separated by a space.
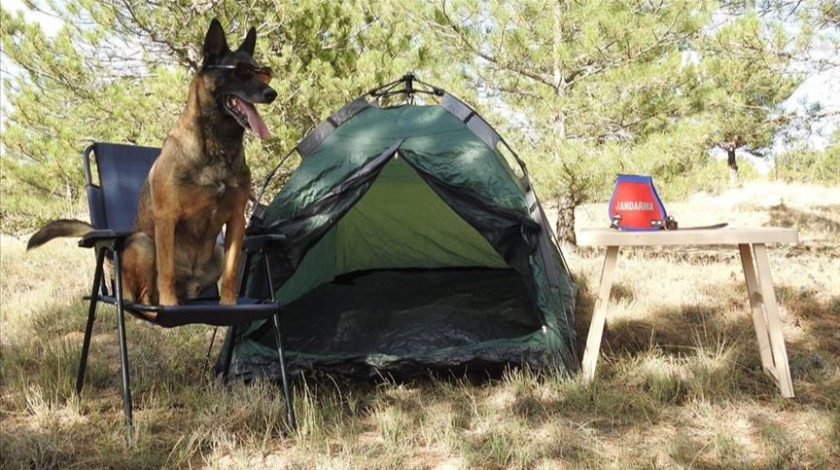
pixel 679 383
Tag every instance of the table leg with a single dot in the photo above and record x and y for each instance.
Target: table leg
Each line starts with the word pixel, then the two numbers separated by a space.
pixel 599 316
pixel 774 323
pixel 757 305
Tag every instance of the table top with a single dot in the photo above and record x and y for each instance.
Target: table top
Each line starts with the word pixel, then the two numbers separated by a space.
pixel 721 236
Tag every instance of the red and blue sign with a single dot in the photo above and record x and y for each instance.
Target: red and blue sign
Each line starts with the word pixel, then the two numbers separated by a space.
pixel 635 205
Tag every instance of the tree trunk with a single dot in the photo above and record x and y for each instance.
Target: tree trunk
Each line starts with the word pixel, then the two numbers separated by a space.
pixel 559 80
pixel 566 203
pixel 565 227
pixel 733 166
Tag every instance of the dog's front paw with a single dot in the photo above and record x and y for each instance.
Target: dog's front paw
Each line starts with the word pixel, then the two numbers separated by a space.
pixel 168 301
pixel 227 300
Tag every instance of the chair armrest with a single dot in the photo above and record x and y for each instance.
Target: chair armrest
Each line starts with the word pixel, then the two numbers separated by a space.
pixel 109 238
pixel 262 242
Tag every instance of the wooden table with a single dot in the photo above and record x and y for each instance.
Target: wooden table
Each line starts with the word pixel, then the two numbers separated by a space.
pixel 752 245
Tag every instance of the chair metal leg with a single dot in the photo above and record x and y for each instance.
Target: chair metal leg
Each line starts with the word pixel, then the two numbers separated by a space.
pixel 209 351
pixel 290 411
pixel 94 298
pixel 126 387
pixel 227 351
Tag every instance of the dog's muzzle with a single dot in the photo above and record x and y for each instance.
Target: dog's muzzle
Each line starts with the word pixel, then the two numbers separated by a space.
pixel 245 113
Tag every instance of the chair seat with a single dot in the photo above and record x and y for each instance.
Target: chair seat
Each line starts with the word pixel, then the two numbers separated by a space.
pixel 204 311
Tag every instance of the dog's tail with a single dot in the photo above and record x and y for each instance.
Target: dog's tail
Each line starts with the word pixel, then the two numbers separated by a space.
pixel 58 228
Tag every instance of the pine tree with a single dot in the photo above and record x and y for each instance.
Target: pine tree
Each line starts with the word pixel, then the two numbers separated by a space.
pixel 745 73
pixel 585 80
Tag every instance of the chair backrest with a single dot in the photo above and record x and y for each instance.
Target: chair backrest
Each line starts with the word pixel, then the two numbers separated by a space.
pixel 114 175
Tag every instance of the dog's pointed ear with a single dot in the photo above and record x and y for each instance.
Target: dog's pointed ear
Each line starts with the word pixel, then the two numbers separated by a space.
pixel 250 42
pixel 215 44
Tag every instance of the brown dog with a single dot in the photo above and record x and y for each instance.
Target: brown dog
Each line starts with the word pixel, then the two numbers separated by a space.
pixel 198 184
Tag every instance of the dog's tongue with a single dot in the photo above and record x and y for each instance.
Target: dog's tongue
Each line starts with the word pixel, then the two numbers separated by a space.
pixel 254 120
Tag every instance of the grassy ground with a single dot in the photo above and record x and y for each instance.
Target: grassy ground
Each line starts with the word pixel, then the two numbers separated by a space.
pixel 679 383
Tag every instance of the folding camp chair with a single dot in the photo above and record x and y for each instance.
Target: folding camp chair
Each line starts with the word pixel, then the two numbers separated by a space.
pixel 114 175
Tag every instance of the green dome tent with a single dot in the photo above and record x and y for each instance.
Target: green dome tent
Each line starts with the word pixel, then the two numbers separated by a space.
pixel 410 244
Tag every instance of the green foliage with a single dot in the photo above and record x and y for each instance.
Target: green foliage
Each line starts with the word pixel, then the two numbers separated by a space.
pixel 600 87
pixel 677 160
pixel 119 72
pixel 587 84
pixel 621 86
pixel 581 90
pixel 743 76
pixel 821 167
